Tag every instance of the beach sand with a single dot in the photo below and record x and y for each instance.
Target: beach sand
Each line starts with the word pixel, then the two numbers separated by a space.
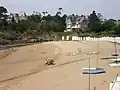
pixel 25 68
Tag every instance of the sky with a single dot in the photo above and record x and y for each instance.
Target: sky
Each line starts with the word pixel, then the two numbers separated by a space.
pixel 108 8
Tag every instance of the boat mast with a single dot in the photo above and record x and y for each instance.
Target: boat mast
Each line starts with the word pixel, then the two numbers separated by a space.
pixel 97 54
pixel 115 47
pixel 89 72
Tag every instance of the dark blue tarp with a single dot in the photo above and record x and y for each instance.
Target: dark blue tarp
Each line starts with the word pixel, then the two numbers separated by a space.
pixel 115 54
pixel 93 71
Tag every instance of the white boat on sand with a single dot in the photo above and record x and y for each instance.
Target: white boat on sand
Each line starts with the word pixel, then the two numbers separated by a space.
pixel 118 59
pixel 115 64
pixel 115 84
pixel 91 68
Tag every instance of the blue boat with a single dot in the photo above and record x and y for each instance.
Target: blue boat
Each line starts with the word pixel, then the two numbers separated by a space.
pixel 115 54
pixel 97 71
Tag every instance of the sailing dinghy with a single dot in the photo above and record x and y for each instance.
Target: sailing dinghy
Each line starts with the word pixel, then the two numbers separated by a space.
pixel 93 70
pixel 117 59
pixel 116 62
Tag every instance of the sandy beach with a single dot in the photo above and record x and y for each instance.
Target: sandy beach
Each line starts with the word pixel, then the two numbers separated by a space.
pixel 25 69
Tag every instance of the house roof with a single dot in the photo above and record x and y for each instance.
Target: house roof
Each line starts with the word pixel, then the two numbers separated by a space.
pixel 76 18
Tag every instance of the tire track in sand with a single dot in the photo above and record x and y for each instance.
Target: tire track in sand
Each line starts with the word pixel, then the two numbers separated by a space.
pixel 37 71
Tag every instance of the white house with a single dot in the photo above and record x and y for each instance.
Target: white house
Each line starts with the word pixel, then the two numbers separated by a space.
pixel 76 23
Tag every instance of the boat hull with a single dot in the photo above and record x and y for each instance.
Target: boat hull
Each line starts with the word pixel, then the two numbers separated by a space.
pixel 115 64
pixel 94 71
pixel 115 59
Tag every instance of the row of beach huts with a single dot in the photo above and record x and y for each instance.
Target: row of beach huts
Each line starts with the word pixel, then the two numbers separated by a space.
pixel 75 38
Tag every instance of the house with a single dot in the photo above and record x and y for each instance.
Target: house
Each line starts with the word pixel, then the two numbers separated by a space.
pixel 76 23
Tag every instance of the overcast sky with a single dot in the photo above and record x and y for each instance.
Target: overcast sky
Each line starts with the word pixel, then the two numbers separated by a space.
pixel 109 8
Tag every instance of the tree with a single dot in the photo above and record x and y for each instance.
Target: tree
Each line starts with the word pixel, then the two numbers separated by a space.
pixel 44 13
pixel 116 30
pixel 63 21
pixel 108 25
pixel 3 16
pixel 3 11
pixel 25 14
pixel 59 11
pixel 93 17
pixel 64 17
pixel 35 18
pixel 94 23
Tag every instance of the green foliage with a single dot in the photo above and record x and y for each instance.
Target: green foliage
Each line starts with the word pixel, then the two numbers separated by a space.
pixel 54 23
pixel 36 25
pixel 117 29
pixel 108 25
pixel 3 17
pixel 35 18
pixel 94 22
